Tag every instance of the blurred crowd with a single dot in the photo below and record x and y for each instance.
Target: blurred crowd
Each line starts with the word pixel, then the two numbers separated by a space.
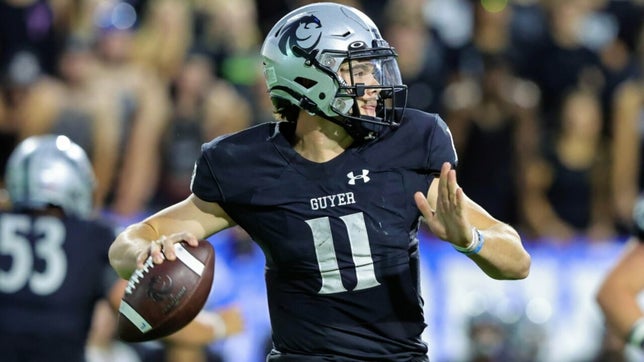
pixel 545 99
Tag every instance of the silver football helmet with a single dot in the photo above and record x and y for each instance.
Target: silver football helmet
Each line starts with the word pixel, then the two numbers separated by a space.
pixel 50 170
pixel 302 56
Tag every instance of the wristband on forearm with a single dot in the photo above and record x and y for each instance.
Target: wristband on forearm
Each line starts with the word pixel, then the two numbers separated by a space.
pixel 636 335
pixel 475 245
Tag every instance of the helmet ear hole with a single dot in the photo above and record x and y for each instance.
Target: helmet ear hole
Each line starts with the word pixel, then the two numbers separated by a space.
pixel 305 82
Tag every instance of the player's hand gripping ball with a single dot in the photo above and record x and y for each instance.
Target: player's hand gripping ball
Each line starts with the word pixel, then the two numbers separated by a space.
pixel 162 298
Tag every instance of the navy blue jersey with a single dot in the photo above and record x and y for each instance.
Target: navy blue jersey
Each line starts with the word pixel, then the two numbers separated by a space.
pixel 52 271
pixel 339 237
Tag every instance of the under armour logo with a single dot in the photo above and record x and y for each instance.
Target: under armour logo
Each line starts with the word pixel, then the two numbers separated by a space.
pixel 352 177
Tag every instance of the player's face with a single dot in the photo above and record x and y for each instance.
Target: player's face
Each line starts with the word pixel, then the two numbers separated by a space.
pixel 363 72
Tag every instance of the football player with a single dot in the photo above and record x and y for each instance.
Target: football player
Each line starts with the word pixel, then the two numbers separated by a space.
pixel 619 291
pixel 53 255
pixel 53 260
pixel 333 193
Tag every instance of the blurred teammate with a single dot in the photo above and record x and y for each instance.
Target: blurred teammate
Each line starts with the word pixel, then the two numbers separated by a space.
pixel 618 293
pixel 333 194
pixel 54 266
pixel 53 256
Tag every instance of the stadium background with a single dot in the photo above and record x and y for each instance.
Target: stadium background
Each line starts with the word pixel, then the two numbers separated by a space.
pixel 141 84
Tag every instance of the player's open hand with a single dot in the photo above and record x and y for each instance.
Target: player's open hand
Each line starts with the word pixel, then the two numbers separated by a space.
pixel 447 220
pixel 163 248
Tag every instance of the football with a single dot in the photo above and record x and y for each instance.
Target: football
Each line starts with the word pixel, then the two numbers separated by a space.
pixel 162 298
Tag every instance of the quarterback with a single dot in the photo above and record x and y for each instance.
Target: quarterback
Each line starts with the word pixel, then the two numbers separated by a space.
pixel 333 193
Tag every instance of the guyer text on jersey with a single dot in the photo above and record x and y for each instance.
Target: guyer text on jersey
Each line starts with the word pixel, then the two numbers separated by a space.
pixel 327 201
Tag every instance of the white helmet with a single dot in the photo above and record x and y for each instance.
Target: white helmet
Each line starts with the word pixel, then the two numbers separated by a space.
pixel 50 170
pixel 303 53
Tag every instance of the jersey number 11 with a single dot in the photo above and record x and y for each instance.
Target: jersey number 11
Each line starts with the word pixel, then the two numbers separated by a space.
pixel 326 256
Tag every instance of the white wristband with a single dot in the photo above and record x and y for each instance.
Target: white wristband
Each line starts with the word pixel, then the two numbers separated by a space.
pixel 636 335
pixel 474 246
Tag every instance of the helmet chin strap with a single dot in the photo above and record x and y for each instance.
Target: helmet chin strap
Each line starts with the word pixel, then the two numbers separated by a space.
pixel 350 123
pixel 361 127
pixel 353 125
pixel 355 129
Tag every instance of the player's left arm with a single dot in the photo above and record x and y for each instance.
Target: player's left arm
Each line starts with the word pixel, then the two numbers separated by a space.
pixel 618 293
pixel 452 216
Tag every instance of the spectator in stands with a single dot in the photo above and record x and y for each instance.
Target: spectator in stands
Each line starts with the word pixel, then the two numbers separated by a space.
pixel 204 107
pixel 164 37
pixel 566 191
pixel 87 113
pixel 493 113
pixel 30 99
pixel 494 123
pixel 564 61
pixel 425 61
pixel 230 35
pixel 143 108
pixel 33 26
pixel 617 25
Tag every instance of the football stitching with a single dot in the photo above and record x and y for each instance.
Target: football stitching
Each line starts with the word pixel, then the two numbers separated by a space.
pixel 138 275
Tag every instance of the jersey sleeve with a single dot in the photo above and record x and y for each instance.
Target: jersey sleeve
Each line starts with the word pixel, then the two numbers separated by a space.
pixel 204 184
pixel 441 146
pixel 231 167
pixel 425 141
pixel 422 142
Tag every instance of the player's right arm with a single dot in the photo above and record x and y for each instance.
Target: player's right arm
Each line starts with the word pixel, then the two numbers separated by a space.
pixel 190 220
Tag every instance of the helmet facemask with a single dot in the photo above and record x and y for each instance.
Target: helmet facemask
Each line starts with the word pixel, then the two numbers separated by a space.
pixel 365 71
